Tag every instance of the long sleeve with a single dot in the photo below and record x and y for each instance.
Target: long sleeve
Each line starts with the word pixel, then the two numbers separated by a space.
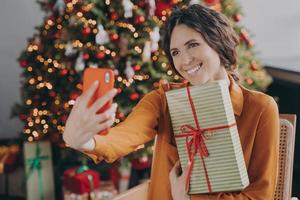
pixel 138 128
pixel 263 165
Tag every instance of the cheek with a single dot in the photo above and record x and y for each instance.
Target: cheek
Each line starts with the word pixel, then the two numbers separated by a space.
pixel 176 63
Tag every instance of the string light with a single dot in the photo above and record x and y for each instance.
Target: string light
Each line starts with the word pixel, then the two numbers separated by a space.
pixel 119 79
pixel 71 102
pixel 30 139
pixel 31 81
pixel 138 49
pixel 35 134
pixel 28 102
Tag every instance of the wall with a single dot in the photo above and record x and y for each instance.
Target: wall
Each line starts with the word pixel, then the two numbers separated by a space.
pixel 17 22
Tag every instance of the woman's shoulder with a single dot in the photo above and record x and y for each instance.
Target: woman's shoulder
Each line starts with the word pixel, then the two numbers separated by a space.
pixel 258 99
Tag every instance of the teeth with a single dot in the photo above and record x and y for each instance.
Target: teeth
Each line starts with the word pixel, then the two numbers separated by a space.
pixel 193 70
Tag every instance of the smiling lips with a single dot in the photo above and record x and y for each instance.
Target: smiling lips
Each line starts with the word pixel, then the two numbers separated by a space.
pixel 194 69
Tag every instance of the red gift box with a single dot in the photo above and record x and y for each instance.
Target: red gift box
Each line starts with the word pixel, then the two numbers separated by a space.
pixel 81 181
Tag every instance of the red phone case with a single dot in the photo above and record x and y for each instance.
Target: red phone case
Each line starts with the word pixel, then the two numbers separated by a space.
pixel 105 76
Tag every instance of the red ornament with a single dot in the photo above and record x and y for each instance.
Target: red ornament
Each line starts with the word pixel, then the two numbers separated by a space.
pixel 23 63
pixel 211 2
pixel 119 90
pixel 253 66
pixel 114 36
pixel 57 34
pixel 86 31
pixel 237 17
pixel 139 19
pixel 64 118
pixel 244 36
pixel 52 93
pixel 120 115
pixel 134 96
pixel 249 81
pixel 161 8
pixel 63 72
pixel 22 117
pixel 85 56
pixel 51 17
pixel 100 55
pixel 141 4
pixel 114 16
pixel 136 67
pixel 74 95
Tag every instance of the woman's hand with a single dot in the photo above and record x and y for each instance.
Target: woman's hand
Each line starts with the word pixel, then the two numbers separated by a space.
pixel 83 122
pixel 177 178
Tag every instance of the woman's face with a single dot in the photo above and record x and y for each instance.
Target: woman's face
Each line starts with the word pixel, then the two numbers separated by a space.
pixel 193 58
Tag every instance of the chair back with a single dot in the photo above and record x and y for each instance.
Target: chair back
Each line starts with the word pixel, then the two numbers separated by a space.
pixel 286 156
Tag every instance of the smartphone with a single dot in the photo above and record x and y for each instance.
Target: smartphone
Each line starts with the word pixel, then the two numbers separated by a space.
pixel 106 79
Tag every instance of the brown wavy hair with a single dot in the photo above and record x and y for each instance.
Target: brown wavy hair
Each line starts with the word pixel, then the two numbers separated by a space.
pixel 214 28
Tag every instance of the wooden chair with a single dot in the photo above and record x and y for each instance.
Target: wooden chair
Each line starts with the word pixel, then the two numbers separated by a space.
pixel 286 158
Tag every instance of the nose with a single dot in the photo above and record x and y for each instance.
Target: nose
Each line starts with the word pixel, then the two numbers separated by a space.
pixel 186 59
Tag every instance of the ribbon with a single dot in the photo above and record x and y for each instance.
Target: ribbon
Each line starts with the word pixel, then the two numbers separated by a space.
pixel 36 164
pixel 197 142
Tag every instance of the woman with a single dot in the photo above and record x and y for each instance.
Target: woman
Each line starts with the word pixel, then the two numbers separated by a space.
pixel 201 47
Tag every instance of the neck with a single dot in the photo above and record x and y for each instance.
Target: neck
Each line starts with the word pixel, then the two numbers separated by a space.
pixel 222 75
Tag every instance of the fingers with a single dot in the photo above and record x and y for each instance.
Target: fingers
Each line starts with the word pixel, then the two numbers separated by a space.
pixel 103 100
pixel 90 92
pixel 173 173
pixel 185 170
pixel 102 126
pixel 110 113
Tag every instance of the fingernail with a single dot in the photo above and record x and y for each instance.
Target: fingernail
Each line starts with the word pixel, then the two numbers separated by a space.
pixel 96 82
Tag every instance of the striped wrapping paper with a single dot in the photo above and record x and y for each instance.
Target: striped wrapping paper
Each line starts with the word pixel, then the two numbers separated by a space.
pixel 225 163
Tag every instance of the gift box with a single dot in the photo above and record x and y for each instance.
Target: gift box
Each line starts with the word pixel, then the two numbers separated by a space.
pixel 206 135
pixel 8 158
pixel 106 191
pixel 39 171
pixel 81 180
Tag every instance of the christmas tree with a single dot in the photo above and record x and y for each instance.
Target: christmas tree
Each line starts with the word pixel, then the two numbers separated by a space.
pixel 122 35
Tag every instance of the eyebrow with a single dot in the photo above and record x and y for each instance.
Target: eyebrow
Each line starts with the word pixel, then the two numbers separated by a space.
pixel 186 43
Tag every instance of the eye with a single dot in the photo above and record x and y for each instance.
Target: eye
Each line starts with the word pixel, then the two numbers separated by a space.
pixel 174 53
pixel 194 44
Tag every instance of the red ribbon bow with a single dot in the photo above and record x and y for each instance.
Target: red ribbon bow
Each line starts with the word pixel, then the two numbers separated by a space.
pixel 197 142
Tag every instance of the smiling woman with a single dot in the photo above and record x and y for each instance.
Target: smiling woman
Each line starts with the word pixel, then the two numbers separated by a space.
pixel 203 40
pixel 201 47
pixel 193 58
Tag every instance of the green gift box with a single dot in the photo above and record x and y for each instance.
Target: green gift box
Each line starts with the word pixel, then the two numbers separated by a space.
pixel 206 134
pixel 39 171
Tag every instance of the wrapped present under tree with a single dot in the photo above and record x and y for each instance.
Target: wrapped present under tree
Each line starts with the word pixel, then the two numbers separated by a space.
pixel 81 180
pixel 39 171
